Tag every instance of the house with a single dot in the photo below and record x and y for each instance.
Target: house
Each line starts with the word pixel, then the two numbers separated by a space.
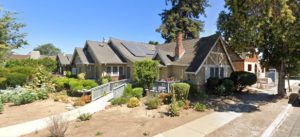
pixel 194 60
pixel 114 58
pixel 30 55
pixel 63 63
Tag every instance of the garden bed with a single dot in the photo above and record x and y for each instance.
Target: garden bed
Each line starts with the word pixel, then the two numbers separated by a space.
pixel 120 121
pixel 39 109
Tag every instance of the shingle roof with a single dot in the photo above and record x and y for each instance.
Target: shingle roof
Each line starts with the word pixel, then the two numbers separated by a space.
pixel 84 56
pixel 125 52
pixel 195 51
pixel 19 57
pixel 63 59
pixel 103 52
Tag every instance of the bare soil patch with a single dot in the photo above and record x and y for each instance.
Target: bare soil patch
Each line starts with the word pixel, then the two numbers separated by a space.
pixel 120 121
pixel 36 110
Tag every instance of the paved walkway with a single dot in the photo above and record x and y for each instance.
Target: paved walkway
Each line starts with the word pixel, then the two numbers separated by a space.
pixel 202 126
pixel 32 126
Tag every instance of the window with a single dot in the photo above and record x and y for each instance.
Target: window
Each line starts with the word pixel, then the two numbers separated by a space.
pixel 217 72
pixel 221 72
pixel 121 71
pixel 108 70
pixel 212 72
pixel 249 67
pixel 115 70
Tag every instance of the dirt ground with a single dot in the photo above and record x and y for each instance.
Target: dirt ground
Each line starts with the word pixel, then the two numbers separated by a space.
pixel 120 121
pixel 23 113
pixel 252 124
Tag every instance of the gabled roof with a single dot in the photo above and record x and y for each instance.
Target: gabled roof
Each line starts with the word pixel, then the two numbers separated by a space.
pixel 103 53
pixel 64 60
pixel 132 51
pixel 84 56
pixel 196 52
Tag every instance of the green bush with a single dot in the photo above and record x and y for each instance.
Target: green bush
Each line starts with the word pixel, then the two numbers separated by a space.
pixel 85 117
pixel 152 103
pixel 49 63
pixel 229 86
pixel 42 95
pixel 14 79
pixel 180 103
pixel 75 85
pixel 220 90
pixel 88 84
pixel 28 71
pixel 242 79
pixel 181 90
pixel 1 106
pixel 105 79
pixel 211 84
pixel 119 101
pixel 133 102
pixel 200 107
pixel 174 109
pixel 62 83
pixel 127 90
pixel 24 98
pixel 3 72
pixel 137 92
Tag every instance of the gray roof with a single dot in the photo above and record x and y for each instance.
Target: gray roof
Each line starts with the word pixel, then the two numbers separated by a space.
pixel 84 56
pixel 103 53
pixel 63 59
pixel 130 50
pixel 196 52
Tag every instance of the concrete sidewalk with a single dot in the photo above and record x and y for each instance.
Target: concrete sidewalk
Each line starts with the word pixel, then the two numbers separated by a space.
pixel 202 126
pixel 32 126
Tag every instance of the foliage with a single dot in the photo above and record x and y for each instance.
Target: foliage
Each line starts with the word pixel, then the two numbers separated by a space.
pixel 229 86
pixel 48 49
pixel 1 106
pixel 10 35
pixel 180 103
pixel 153 42
pixel 270 27
pixel 166 98
pixel 187 104
pixel 181 90
pixel 137 92
pixel 133 102
pixel 105 79
pixel 200 106
pixel 182 17
pixel 61 97
pixel 212 83
pixel 41 78
pixel 119 101
pixel 127 90
pixel 242 79
pixel 61 83
pixel 146 72
pixel 58 126
pixel 152 103
pixel 221 87
pixel 49 64
pixel 98 133
pixel 14 79
pixel 174 109
pixel 88 84
pixel 24 98
pixel 85 117
pixel 42 94
pixel 81 76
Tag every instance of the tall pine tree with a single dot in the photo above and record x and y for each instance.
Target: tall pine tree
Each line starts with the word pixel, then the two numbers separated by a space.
pixel 183 17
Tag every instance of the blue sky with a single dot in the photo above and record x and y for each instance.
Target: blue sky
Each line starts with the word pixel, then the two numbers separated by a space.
pixel 69 23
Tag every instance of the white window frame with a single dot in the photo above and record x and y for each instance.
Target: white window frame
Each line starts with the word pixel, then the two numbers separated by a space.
pixel 112 71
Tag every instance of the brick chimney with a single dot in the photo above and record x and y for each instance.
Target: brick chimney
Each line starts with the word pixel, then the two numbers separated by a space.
pixel 179 49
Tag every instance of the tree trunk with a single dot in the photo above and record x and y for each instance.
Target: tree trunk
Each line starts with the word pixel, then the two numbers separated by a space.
pixel 281 80
pixel 289 85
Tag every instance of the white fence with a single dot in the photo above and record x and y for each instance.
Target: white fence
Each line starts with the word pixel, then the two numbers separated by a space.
pixel 162 87
pixel 116 87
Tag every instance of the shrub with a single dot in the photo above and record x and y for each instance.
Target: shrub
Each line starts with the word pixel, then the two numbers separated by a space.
pixel 14 79
pixel 75 85
pixel 220 90
pixel 58 126
pixel 229 86
pixel 137 92
pixel 49 64
pixel 119 101
pixel 85 117
pixel 24 98
pixel 200 107
pixel 3 82
pixel 152 103
pixel 88 84
pixel 28 71
pixel 133 102
pixel 180 103
pixel 86 98
pixel 181 90
pixel 127 90
pixel 105 79
pixel 1 106
pixel 69 74
pixel 42 95
pixel 81 76
pixel 212 84
pixel 62 97
pixel 186 104
pixel 165 98
pixel 174 109
pixel 79 102
pixel 62 83
pixel 242 79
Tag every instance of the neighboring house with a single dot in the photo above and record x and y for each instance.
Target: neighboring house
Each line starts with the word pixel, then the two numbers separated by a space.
pixel 114 58
pixel 63 63
pixel 30 55
pixel 194 60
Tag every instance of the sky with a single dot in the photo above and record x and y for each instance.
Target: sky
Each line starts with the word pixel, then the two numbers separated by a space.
pixel 69 23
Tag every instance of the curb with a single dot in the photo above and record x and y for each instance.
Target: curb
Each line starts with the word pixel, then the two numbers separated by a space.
pixel 277 122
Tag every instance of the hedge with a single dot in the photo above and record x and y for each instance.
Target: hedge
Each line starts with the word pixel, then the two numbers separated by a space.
pixel 242 79
pixel 14 79
pixel 181 90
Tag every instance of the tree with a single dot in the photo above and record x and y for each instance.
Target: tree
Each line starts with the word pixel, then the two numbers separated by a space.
pixel 183 17
pixel 48 49
pixel 10 35
pixel 146 72
pixel 270 26
pixel 153 42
